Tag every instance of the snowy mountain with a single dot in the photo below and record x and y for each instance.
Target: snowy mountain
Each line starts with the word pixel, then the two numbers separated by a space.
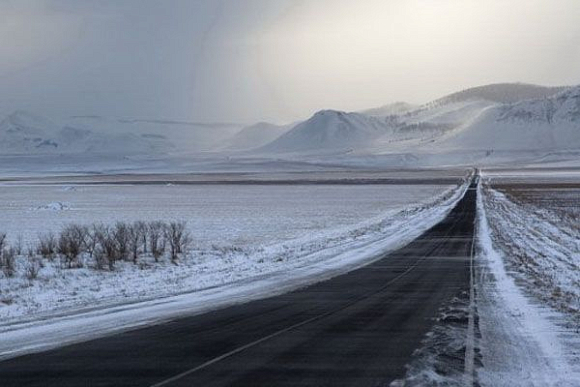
pixel 186 137
pixel 545 124
pixel 471 118
pixel 257 135
pixel 331 130
pixel 389 109
pixel 460 108
pixel 500 93
pixel 25 133
pixel 22 132
pixel 472 126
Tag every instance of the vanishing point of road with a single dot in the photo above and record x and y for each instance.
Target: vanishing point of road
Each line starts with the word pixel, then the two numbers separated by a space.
pixel 357 329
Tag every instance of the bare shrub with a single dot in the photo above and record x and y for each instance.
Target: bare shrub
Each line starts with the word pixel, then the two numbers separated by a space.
pixel 70 244
pixel 30 253
pixel 144 231
pixel 135 237
pixel 156 241
pixel 178 238
pixel 91 239
pixel 2 241
pixel 106 252
pixel 101 260
pixel 33 269
pixel 19 244
pixel 47 246
pixel 8 261
pixel 121 237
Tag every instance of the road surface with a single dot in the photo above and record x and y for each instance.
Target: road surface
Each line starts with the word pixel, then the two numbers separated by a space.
pixel 358 329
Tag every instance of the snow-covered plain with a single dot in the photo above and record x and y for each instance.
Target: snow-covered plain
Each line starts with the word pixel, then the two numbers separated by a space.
pixel 34 313
pixel 224 215
pixel 528 294
pixel 542 248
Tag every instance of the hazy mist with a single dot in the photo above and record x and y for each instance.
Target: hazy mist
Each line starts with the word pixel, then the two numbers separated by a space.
pixel 277 60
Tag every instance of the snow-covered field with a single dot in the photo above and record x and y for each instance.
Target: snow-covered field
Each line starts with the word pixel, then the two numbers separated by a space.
pixel 224 215
pixel 528 288
pixel 541 246
pixel 326 230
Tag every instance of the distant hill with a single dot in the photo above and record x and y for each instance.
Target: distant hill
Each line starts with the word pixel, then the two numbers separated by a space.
pixel 501 93
pixel 500 116
pixel 330 130
pixel 25 133
pixel 505 121
pixel 551 123
pixel 257 135
pixel 186 137
pixel 389 109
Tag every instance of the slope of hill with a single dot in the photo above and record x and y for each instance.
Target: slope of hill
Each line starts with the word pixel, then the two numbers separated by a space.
pixel 187 137
pixel 331 130
pixel 465 127
pixel 257 135
pixel 389 109
pixel 542 119
pixel 24 133
pixel 501 93
pixel 544 124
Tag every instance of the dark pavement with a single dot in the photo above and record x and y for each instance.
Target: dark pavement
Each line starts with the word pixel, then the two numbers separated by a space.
pixel 358 329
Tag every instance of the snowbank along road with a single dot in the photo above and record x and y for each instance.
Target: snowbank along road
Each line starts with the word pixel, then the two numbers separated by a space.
pixel 357 329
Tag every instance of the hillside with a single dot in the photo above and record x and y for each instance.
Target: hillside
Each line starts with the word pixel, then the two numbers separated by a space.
pixel 330 130
pixel 186 137
pixel 542 124
pixel 467 127
pixel 389 109
pixel 257 135
pixel 500 93
pixel 472 127
pixel 25 133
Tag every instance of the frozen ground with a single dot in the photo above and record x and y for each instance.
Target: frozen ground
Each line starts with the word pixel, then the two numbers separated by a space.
pixel 221 215
pixel 539 234
pixel 35 313
pixel 528 293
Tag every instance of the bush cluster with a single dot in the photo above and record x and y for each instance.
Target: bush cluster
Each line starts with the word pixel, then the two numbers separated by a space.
pixel 102 244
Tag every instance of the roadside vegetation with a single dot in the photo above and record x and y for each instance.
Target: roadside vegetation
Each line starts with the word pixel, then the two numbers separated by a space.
pixel 96 246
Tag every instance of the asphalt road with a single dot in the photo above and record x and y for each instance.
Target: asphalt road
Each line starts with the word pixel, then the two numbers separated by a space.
pixel 358 329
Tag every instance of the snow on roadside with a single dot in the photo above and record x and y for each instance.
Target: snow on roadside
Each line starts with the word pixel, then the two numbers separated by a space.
pixel 523 342
pixel 542 249
pixel 102 303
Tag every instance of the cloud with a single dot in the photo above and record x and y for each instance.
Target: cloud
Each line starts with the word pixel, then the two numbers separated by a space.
pixel 272 59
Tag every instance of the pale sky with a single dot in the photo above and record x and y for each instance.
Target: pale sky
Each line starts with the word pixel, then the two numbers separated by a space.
pixel 276 60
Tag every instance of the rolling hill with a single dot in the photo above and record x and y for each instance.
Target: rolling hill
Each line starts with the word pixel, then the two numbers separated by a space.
pixel 25 133
pixel 331 130
pixel 542 124
pixel 257 135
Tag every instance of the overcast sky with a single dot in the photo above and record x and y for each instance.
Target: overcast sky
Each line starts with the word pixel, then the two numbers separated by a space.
pixel 277 60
